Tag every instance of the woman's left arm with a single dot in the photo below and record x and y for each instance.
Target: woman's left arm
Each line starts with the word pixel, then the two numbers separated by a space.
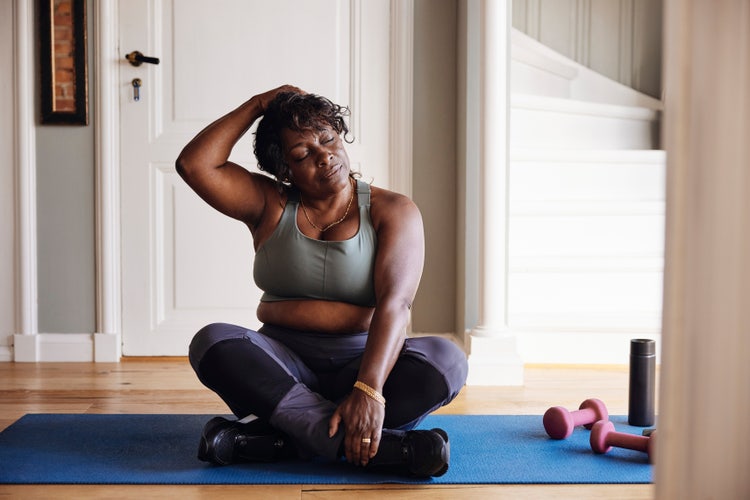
pixel 398 269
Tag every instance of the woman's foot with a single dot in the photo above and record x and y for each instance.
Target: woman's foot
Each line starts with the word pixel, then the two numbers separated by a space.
pixel 419 453
pixel 224 442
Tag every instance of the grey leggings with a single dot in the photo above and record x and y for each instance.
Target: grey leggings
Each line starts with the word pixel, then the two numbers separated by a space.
pixel 294 380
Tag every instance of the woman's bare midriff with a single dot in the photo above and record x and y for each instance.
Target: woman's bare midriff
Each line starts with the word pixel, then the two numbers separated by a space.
pixel 337 318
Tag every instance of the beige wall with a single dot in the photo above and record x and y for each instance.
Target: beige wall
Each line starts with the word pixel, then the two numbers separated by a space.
pixel 702 447
pixel 435 169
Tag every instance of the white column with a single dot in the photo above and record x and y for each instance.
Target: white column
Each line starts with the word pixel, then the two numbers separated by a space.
pixel 402 92
pixel 493 354
pixel 107 339
pixel 25 342
pixel 703 435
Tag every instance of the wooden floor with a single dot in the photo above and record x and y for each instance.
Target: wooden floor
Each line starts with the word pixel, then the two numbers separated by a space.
pixel 169 386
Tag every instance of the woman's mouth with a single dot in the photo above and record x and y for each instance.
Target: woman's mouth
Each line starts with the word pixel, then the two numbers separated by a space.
pixel 332 171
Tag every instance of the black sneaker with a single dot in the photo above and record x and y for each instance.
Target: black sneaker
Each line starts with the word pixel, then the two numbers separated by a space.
pixel 417 453
pixel 225 442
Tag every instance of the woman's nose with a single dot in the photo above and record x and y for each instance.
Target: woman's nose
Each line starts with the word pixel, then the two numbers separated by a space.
pixel 324 157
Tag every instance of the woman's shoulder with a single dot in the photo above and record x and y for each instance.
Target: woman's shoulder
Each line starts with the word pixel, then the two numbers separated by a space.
pixel 275 197
pixel 389 198
pixel 388 205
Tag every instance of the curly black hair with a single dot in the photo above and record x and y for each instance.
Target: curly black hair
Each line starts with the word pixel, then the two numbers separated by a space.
pixel 297 112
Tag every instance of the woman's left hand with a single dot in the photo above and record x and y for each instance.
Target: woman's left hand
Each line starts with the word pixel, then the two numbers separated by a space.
pixel 362 418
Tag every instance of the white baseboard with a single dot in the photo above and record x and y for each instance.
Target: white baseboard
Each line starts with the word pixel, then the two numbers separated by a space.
pixel 534 347
pixel 584 348
pixel 66 347
pixel 494 360
pixel 446 335
pixel 107 347
pixel 554 346
pixel 603 346
pixel 6 353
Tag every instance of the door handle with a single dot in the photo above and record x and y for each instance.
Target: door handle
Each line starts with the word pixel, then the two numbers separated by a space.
pixel 136 59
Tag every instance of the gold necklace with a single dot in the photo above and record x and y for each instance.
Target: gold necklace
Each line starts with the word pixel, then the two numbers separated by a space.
pixel 329 226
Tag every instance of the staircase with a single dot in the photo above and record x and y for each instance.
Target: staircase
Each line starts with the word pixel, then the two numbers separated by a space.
pixel 587 188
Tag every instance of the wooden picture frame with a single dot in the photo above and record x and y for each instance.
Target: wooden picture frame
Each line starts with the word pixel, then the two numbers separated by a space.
pixel 63 65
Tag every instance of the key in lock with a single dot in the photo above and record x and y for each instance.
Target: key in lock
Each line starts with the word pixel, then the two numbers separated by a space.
pixel 136 89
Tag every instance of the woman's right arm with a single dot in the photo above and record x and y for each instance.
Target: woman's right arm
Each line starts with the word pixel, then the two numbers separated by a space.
pixel 226 186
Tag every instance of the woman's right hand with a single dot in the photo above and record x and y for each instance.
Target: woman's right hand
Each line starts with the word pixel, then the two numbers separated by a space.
pixel 204 162
pixel 266 97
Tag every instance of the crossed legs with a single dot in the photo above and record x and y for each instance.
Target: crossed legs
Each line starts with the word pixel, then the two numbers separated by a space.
pixel 294 380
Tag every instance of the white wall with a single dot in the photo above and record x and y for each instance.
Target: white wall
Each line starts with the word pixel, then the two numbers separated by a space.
pixel 66 210
pixel 65 178
pixel 7 181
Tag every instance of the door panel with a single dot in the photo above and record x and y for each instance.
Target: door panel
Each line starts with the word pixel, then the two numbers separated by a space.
pixel 183 264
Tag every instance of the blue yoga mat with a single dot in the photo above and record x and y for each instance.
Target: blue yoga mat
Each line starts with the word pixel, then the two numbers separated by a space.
pixel 161 449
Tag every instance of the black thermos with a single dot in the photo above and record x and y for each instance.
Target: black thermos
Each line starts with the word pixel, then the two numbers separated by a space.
pixel 642 382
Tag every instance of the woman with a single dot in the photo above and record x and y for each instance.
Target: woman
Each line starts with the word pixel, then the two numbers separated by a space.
pixel 339 262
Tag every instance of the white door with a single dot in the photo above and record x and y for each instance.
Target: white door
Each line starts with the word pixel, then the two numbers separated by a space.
pixel 183 264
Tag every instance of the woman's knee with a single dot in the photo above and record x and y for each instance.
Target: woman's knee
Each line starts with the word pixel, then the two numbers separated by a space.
pixel 459 368
pixel 210 335
pixel 448 360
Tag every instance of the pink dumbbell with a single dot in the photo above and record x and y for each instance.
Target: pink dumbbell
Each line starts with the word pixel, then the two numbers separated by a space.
pixel 559 422
pixel 604 437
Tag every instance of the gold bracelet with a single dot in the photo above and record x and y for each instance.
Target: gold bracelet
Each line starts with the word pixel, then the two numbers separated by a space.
pixel 370 392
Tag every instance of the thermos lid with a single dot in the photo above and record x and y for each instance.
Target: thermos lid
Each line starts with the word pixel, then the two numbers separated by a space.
pixel 642 347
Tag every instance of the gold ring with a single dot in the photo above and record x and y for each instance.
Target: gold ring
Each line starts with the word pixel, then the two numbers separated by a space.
pixel 366 440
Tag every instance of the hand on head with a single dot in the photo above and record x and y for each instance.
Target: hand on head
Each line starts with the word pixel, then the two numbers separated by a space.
pixel 269 95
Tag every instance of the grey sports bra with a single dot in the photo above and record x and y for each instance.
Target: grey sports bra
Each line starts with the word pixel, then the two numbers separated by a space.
pixel 292 266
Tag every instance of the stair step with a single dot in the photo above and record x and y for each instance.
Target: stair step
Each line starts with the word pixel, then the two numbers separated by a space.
pixel 565 294
pixel 580 107
pixel 552 122
pixel 539 70
pixel 586 234
pixel 586 176
pixel 582 264
pixel 586 208
pixel 653 156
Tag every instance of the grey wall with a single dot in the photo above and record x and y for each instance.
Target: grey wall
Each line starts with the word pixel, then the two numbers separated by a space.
pixel 435 169
pixel 66 220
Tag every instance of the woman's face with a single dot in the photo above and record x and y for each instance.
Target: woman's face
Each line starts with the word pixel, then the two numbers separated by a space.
pixel 317 159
